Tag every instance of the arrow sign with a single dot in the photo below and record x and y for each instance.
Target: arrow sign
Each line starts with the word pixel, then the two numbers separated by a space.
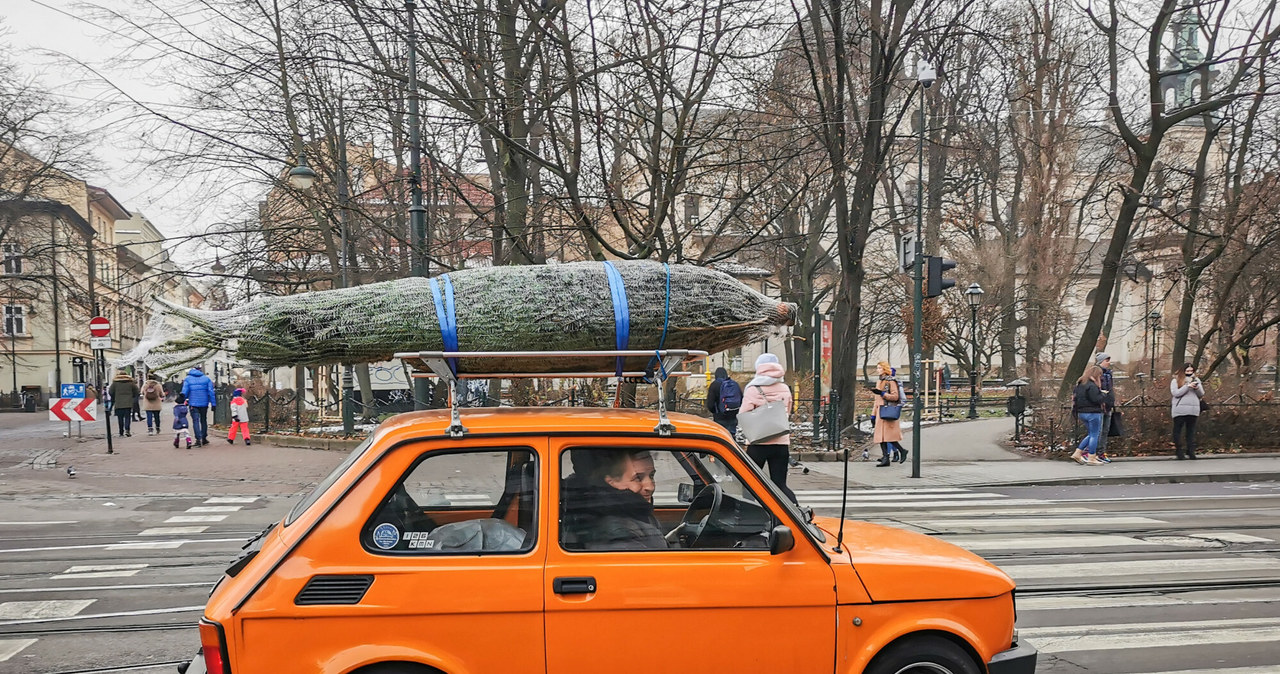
pixel 99 326
pixel 73 409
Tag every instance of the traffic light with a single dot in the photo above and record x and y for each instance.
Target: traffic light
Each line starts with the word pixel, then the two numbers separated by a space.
pixel 934 282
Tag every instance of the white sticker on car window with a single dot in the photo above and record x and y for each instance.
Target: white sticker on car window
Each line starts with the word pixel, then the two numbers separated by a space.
pixel 386 536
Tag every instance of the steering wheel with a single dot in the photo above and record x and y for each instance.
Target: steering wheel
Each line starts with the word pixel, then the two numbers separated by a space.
pixel 687 525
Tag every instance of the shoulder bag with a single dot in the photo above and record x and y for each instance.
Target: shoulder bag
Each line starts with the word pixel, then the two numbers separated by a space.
pixel 766 421
pixel 892 412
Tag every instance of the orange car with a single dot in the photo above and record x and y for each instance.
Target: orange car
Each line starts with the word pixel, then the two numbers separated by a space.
pixel 572 540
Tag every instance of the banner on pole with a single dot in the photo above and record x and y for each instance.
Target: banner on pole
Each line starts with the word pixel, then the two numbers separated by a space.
pixel 826 358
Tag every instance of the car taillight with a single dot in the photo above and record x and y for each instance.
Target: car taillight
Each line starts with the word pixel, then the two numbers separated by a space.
pixel 214 646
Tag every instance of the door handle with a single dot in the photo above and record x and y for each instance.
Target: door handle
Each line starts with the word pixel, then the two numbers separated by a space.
pixel 574 585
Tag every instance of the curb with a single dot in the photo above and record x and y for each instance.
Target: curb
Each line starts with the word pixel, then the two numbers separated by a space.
pixel 302 442
pixel 1101 480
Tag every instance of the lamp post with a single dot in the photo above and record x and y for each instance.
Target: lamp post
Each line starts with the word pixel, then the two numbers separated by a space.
pixel 417 212
pixel 1155 327
pixel 925 75
pixel 974 297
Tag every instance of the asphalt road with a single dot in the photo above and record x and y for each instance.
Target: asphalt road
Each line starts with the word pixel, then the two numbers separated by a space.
pixel 1113 580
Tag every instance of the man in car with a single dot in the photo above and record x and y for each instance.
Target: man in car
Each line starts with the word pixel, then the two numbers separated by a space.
pixel 611 507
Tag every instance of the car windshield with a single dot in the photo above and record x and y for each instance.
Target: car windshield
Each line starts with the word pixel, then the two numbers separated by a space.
pixel 732 486
pixel 301 506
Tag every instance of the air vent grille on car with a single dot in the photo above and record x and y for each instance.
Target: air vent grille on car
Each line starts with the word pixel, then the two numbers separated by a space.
pixel 333 590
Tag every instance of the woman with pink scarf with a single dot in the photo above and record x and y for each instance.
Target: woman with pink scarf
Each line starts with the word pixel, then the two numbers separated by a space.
pixel 768 387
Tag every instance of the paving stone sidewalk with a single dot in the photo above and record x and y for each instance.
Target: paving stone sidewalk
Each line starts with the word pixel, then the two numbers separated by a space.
pixel 970 454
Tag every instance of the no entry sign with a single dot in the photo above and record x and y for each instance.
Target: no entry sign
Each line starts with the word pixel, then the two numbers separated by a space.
pixel 99 326
pixel 73 409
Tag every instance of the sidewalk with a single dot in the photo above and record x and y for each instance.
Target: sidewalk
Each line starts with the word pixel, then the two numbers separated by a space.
pixel 969 454
pixel 150 466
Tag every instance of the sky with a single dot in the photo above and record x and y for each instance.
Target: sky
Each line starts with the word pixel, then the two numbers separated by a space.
pixel 41 33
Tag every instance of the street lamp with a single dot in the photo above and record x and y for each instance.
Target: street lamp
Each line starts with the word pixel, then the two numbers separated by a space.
pixel 974 297
pixel 218 267
pixel 925 75
pixel 302 177
pixel 1155 327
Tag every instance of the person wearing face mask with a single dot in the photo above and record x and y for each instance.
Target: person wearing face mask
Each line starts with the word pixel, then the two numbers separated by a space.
pixel 1187 390
pixel 612 509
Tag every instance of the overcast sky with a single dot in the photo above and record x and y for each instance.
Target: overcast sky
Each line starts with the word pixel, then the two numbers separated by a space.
pixel 40 30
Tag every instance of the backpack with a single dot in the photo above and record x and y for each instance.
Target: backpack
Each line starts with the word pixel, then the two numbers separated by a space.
pixel 151 393
pixel 730 397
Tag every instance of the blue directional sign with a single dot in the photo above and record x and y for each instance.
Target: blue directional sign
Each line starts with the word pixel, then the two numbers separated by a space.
pixel 72 391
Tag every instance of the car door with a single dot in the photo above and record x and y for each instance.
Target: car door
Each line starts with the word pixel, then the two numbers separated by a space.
pixel 434 556
pixel 713 608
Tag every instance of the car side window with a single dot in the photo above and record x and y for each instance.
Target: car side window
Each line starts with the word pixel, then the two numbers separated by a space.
pixel 465 502
pixel 649 499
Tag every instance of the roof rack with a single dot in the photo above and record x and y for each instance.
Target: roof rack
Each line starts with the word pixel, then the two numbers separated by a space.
pixel 663 364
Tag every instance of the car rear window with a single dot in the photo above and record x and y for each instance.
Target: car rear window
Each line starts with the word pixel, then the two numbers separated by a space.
pixel 301 506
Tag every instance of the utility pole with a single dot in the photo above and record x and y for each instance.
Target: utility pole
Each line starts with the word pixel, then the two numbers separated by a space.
pixel 417 213
pixel 348 397
pixel 925 75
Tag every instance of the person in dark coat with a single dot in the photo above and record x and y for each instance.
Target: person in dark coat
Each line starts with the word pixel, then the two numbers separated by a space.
pixel 1088 404
pixel 124 394
pixel 726 418
pixel 1107 385
pixel 198 389
pixel 610 507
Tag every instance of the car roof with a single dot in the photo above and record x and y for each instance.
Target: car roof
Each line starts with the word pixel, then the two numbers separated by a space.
pixel 544 421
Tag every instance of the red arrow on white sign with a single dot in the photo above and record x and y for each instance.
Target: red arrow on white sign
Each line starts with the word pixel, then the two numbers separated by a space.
pixel 73 409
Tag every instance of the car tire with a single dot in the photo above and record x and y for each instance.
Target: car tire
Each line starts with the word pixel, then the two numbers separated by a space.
pixel 923 655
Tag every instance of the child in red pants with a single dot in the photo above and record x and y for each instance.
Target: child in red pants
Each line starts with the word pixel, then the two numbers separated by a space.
pixel 239 417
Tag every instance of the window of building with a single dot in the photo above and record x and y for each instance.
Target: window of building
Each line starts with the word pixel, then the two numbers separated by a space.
pixel 12 258
pixel 15 320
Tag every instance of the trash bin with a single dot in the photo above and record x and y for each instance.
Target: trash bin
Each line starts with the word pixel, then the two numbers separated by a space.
pixel 30 395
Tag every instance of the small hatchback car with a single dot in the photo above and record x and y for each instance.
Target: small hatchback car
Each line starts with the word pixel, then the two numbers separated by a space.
pixel 572 540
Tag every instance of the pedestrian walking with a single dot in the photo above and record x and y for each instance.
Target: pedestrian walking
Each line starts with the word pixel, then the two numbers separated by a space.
pixel 768 387
pixel 1188 395
pixel 152 403
pixel 239 418
pixel 124 391
pixel 181 427
pixel 724 399
pixel 1107 386
pixel 946 376
pixel 137 406
pixel 199 392
pixel 886 411
pixel 1087 404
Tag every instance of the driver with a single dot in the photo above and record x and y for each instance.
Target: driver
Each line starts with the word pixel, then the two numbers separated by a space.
pixel 612 508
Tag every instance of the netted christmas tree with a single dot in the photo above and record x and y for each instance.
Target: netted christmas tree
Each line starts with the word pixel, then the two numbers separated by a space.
pixel 563 307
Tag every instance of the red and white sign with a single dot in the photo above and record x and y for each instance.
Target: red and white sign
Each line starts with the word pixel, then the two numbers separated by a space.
pixel 99 326
pixel 73 409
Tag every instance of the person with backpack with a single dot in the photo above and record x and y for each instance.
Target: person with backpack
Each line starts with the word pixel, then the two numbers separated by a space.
pixel 152 403
pixel 724 399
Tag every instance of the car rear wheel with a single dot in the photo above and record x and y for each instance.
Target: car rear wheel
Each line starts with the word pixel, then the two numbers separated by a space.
pixel 923 655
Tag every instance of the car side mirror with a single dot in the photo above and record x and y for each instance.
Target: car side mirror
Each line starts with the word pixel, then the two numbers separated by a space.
pixel 684 493
pixel 781 539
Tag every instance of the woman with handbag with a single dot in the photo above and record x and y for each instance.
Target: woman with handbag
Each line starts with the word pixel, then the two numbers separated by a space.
pixel 886 411
pixel 1188 394
pixel 768 387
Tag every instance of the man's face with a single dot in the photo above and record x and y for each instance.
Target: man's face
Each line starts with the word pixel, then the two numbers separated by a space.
pixel 1105 364
pixel 638 476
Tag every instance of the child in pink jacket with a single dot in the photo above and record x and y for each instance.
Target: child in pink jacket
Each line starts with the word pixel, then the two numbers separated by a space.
pixel 239 417
pixel 768 387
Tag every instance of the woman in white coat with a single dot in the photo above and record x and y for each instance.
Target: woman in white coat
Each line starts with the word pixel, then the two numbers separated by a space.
pixel 1186 390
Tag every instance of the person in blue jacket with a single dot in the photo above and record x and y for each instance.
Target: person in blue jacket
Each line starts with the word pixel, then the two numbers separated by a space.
pixel 198 389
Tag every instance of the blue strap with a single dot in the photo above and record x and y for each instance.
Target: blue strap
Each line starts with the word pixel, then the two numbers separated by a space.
pixel 621 313
pixel 445 316
pixel 656 361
